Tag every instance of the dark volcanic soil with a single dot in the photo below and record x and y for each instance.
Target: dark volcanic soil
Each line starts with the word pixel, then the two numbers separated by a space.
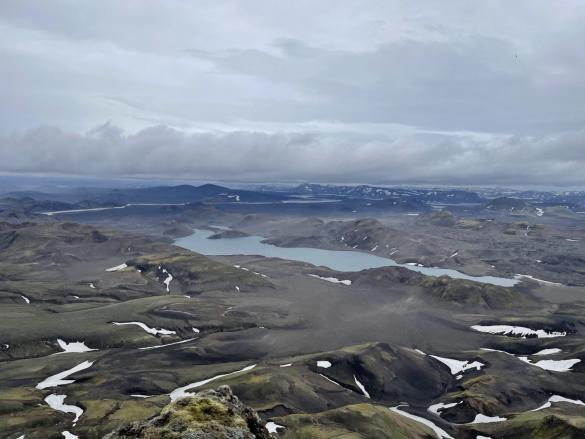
pixel 300 349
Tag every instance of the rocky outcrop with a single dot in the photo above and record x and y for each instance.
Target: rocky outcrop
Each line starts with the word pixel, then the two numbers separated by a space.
pixel 211 414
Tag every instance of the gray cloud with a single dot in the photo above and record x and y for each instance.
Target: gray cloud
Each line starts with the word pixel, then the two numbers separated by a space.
pixel 324 157
pixel 276 89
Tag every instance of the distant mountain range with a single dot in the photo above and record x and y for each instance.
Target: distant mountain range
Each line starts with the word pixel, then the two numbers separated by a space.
pixel 349 199
pixel 188 194
pixel 158 194
pixel 447 196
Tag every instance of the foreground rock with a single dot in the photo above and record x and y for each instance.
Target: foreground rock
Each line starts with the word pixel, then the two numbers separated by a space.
pixel 208 415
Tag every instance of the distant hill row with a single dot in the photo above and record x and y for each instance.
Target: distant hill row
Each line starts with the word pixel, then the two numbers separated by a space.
pixel 361 198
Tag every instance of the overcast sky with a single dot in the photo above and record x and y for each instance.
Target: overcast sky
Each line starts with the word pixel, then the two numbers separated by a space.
pixel 389 91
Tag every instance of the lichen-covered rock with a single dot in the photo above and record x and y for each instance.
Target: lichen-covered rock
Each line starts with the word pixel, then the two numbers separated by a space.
pixel 211 414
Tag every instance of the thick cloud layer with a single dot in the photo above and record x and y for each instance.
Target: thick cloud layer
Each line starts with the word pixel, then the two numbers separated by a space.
pixel 327 157
pixel 383 91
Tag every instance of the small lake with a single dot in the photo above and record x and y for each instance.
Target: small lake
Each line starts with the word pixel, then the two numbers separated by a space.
pixel 340 260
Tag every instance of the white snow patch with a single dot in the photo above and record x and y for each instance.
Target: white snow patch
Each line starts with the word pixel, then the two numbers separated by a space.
pixel 549 351
pixel 181 392
pixel 496 350
pixel 458 366
pixel 57 402
pixel 67 435
pixel 572 240
pixel 147 328
pixel 168 279
pixel 454 254
pixel 237 288
pixel 332 279
pixel 94 209
pixel 553 365
pixel 483 419
pixel 58 379
pixel 117 267
pixel 136 395
pixel 196 331
pixel 168 344
pixel 91 285
pixel 26 299
pixel 436 408
pixel 539 211
pixel 273 427
pixel 558 398
pixel 362 387
pixel 520 331
pixel 374 249
pixel 441 434
pixel 74 346
pixel 330 380
pixel 286 365
pixel 324 364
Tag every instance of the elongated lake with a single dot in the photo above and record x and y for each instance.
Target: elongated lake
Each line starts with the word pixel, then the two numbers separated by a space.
pixel 340 260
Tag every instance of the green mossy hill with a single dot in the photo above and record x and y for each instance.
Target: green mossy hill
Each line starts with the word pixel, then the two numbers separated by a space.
pixel 365 232
pixel 389 373
pixel 212 414
pixel 492 395
pixel 550 426
pixel 195 271
pixel 382 277
pixel 442 218
pixel 564 422
pixel 61 241
pixel 464 293
pixel 358 421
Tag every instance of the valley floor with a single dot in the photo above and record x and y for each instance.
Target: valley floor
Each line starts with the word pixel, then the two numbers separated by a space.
pixel 101 326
